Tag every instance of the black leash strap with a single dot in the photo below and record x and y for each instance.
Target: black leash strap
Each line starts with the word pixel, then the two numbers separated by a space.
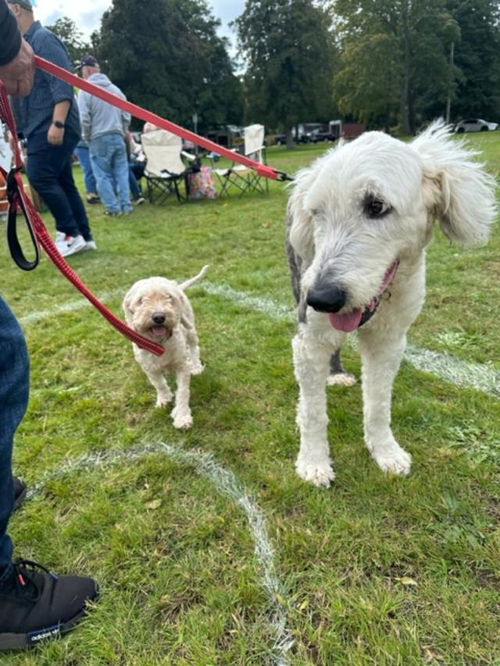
pixel 15 202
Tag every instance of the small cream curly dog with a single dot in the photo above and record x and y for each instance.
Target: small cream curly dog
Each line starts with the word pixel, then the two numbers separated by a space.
pixel 160 310
pixel 359 220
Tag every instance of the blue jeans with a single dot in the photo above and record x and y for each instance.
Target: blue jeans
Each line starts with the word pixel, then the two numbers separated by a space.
pixel 135 188
pixel 50 172
pixel 14 391
pixel 108 156
pixel 82 152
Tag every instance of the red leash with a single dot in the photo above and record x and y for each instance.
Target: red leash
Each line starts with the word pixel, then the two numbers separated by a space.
pixel 19 200
pixel 139 112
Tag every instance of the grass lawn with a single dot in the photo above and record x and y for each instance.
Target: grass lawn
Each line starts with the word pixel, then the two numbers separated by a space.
pixel 209 549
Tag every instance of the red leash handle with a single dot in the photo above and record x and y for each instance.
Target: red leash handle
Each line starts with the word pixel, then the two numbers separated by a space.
pixel 19 200
pixel 137 111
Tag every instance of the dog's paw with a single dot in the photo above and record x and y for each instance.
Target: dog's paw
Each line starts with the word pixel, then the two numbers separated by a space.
pixel 163 400
pixel 320 474
pixel 197 368
pixel 341 379
pixel 182 420
pixel 394 460
pixel 183 423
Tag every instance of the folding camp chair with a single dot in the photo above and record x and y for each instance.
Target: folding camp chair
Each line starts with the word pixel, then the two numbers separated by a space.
pixel 164 166
pixel 244 178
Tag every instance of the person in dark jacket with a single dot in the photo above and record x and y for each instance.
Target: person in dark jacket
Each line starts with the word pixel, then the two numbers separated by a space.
pixel 48 119
pixel 35 603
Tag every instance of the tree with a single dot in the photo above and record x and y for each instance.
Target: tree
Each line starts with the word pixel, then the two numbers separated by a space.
pixel 288 52
pixel 477 56
pixel 394 63
pixel 167 57
pixel 67 30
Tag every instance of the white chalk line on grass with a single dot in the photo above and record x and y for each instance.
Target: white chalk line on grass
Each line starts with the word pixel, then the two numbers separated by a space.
pixel 225 483
pixel 445 366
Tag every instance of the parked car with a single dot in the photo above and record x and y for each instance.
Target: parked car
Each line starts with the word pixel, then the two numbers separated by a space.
pixel 318 136
pixel 475 125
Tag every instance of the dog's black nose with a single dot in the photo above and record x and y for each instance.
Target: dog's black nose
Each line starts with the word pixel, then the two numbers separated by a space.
pixel 326 297
pixel 158 318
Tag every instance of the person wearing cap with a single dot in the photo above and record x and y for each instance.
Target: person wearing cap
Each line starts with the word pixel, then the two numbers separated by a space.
pixel 35 604
pixel 48 119
pixel 104 128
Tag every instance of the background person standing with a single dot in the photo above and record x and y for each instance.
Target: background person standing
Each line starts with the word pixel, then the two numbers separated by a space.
pixel 48 119
pixel 104 128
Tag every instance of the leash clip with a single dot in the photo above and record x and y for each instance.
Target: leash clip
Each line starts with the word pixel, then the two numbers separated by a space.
pixel 283 176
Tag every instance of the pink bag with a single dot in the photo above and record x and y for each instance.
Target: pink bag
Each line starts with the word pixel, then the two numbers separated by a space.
pixel 201 184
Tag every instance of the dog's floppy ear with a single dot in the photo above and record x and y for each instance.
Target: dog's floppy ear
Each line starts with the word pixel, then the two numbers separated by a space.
pixel 457 189
pixel 299 221
pixel 127 304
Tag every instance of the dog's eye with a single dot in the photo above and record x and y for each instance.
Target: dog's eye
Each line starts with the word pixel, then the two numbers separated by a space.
pixel 375 207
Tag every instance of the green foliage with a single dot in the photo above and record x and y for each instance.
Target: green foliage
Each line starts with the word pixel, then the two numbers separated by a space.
pixel 288 52
pixel 67 30
pixel 394 59
pixel 477 57
pixel 167 57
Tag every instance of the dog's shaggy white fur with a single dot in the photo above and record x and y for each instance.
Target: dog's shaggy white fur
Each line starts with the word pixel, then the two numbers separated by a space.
pixel 160 310
pixel 359 220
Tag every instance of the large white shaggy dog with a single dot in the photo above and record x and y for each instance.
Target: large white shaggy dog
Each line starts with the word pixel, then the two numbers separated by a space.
pixel 359 220
pixel 160 310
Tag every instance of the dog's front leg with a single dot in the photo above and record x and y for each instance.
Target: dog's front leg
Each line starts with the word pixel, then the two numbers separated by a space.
pixel 164 394
pixel 181 414
pixel 381 355
pixel 311 362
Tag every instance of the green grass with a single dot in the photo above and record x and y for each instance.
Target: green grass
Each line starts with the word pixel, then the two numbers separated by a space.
pixel 376 570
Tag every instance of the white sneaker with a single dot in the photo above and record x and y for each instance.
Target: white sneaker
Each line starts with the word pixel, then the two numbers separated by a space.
pixel 90 245
pixel 68 245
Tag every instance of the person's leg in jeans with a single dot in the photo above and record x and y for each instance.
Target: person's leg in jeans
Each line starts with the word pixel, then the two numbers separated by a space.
pixel 82 152
pixel 101 153
pixel 135 190
pixel 121 174
pixel 34 605
pixel 68 185
pixel 43 168
pixel 14 390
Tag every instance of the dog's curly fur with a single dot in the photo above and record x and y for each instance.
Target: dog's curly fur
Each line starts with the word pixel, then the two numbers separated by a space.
pixel 160 310
pixel 359 220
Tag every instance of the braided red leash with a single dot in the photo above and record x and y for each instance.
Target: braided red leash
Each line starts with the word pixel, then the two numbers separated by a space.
pixel 20 201
pixel 137 111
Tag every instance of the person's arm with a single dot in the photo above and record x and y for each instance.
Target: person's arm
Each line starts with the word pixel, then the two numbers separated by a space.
pixel 17 66
pixel 55 134
pixel 84 109
pixel 61 92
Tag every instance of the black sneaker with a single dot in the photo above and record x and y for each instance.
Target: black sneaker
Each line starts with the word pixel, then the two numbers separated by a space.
pixel 19 492
pixel 39 605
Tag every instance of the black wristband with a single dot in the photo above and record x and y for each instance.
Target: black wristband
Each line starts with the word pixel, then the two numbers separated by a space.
pixel 59 124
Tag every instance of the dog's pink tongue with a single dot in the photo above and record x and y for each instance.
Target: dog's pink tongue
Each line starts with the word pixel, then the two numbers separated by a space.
pixel 346 322
pixel 158 330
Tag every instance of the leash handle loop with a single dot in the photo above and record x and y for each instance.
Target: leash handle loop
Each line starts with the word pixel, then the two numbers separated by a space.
pixel 14 182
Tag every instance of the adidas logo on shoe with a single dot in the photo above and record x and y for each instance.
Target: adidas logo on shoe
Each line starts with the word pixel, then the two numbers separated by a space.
pixel 37 605
pixel 37 636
